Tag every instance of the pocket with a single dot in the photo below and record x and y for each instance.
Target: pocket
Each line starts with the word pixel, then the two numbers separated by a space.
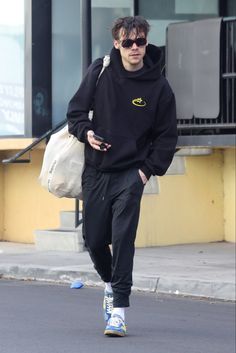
pixel 139 178
pixel 122 148
pixel 135 183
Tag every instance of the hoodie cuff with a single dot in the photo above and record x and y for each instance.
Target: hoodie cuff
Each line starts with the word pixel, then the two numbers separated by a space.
pixel 85 137
pixel 146 171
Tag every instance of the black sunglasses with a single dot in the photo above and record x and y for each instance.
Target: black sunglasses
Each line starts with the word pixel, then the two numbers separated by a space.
pixel 128 43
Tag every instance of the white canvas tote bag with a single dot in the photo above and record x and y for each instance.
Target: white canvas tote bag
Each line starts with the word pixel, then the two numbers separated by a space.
pixel 63 165
pixel 63 160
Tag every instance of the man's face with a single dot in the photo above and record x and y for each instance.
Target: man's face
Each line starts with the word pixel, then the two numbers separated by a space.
pixel 132 56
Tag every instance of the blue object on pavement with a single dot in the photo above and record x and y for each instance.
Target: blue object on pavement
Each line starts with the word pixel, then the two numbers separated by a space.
pixel 77 285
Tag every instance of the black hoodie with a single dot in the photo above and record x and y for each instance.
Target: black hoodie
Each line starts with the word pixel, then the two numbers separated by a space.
pixel 134 112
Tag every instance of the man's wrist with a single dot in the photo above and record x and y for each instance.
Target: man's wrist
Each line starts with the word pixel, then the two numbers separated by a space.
pixel 90 133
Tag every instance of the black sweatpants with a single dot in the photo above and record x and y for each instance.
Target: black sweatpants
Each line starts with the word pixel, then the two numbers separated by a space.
pixel 111 205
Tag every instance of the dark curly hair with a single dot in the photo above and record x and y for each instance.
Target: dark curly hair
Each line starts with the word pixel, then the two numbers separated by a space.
pixel 128 24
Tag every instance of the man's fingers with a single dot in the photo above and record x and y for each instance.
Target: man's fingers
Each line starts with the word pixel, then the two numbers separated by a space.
pixel 100 146
pixel 97 145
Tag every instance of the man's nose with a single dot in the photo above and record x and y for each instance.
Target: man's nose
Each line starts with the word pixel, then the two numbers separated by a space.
pixel 134 46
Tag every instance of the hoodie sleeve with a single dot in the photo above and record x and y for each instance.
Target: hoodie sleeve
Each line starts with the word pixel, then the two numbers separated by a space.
pixel 164 139
pixel 81 103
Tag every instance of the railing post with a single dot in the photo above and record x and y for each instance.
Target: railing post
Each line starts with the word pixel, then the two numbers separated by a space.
pixel 86 57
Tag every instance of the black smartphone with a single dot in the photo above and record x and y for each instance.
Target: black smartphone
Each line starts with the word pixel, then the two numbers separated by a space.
pixel 98 138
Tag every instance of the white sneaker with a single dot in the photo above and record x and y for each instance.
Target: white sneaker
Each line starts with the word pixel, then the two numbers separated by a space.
pixel 115 327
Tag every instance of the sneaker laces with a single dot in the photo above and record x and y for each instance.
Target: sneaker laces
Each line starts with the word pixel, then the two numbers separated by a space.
pixel 109 303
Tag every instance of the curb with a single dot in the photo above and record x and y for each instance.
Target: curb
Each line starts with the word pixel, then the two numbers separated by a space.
pixel 198 288
pixel 172 286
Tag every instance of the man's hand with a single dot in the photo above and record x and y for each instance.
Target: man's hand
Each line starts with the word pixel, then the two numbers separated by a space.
pixel 143 176
pixel 97 145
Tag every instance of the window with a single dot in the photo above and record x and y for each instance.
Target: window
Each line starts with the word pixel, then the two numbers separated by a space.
pixel 231 8
pixel 160 13
pixel 104 12
pixel 66 55
pixel 12 68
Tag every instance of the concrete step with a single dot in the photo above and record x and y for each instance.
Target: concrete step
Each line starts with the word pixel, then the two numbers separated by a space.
pixel 67 219
pixel 63 239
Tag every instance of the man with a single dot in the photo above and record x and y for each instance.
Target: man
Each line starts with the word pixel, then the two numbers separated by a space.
pixel 132 136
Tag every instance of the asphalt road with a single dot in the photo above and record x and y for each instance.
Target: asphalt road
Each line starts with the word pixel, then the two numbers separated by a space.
pixel 44 318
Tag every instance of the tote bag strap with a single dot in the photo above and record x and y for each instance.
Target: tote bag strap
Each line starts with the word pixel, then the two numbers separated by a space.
pixel 106 63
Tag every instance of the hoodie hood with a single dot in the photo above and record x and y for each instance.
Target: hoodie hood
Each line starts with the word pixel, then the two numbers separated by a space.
pixel 152 64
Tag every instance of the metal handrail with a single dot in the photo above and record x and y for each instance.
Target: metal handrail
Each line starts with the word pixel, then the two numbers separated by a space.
pixel 14 159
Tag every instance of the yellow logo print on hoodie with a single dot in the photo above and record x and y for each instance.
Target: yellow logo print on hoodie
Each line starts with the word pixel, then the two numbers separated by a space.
pixel 139 102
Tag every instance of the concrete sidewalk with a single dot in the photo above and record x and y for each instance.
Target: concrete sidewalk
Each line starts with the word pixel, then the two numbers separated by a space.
pixel 203 270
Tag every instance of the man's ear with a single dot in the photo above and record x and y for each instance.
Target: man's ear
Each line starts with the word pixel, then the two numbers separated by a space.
pixel 116 44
